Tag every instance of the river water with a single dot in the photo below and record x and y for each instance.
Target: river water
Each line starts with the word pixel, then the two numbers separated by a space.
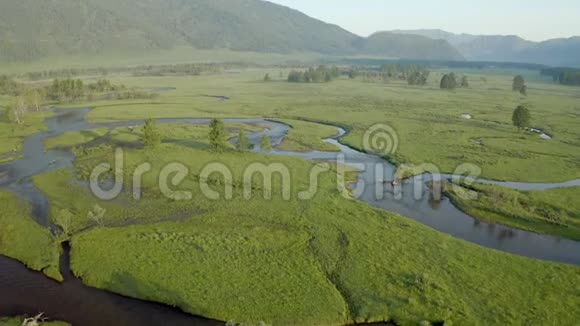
pixel 26 292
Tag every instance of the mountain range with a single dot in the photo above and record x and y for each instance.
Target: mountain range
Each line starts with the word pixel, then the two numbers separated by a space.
pixel 507 48
pixel 33 29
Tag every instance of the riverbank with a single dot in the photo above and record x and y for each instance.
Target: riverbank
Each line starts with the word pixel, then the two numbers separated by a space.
pixel 25 292
pixel 548 212
pixel 23 239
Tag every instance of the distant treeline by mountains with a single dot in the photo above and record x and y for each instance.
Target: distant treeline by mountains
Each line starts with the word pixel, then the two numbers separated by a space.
pixel 377 62
pixel 508 48
pixel 32 29
pixel 564 76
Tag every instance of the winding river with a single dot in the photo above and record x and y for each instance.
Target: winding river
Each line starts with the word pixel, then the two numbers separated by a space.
pixel 26 292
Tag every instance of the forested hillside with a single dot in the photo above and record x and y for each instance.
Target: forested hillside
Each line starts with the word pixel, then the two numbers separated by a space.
pixel 407 46
pixel 32 29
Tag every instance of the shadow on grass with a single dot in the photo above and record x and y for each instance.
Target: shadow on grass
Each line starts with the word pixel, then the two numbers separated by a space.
pixel 130 286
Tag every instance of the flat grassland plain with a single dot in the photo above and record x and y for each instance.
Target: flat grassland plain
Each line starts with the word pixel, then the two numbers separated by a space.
pixel 428 120
pixel 329 260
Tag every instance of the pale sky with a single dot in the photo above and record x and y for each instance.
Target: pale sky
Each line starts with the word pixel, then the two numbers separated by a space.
pixel 535 20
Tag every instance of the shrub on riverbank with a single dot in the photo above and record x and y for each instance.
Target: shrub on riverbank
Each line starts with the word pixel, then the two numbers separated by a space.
pixel 555 212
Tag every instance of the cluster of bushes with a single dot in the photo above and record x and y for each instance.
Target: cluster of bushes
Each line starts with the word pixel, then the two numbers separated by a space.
pixel 27 99
pixel 450 82
pixel 73 90
pixel 368 76
pixel 519 85
pixel 404 72
pixel 66 90
pixel 322 74
pixel 104 85
pixel 418 78
pixel 31 99
pixel 564 76
pixel 9 86
pixel 413 74
pixel 135 94
pixel 569 78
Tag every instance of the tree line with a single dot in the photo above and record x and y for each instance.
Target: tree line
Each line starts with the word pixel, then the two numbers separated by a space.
pixel 66 90
pixel 9 86
pixel 413 74
pixel 436 64
pixel 450 82
pixel 143 70
pixel 104 85
pixel 194 69
pixel 563 76
pixel 28 99
pixel 322 74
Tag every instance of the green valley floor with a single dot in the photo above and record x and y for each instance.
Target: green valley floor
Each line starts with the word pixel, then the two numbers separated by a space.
pixel 330 260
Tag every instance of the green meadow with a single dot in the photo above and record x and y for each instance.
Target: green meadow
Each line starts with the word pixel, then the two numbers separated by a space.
pixel 74 138
pixel 329 260
pixel 307 136
pixel 427 120
pixel 23 239
pixel 13 136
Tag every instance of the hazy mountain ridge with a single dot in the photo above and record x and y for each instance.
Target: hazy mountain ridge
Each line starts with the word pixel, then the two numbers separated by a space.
pixel 408 46
pixel 32 29
pixel 555 52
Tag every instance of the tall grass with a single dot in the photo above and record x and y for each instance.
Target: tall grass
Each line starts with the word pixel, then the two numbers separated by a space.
pixel 23 239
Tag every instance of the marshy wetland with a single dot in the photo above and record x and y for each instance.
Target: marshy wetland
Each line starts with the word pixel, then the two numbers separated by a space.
pixel 326 260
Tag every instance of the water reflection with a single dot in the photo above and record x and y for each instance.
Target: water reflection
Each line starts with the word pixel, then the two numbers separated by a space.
pixel 435 201
pixel 417 198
